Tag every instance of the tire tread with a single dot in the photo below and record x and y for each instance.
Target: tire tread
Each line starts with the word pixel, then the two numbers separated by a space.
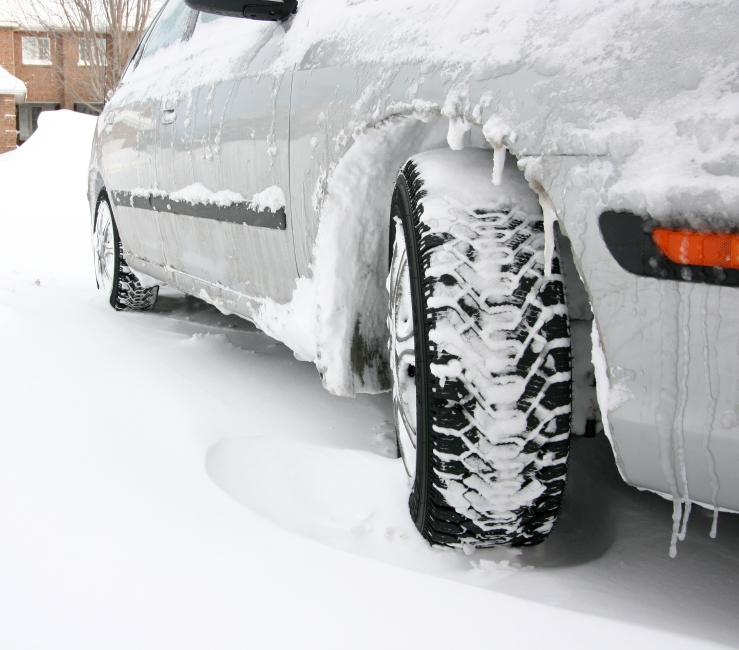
pixel 458 441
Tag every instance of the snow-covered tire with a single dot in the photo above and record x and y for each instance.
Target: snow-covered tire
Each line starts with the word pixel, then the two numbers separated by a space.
pixel 491 374
pixel 112 273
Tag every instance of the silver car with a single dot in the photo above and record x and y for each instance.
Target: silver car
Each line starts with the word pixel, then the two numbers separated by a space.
pixel 518 217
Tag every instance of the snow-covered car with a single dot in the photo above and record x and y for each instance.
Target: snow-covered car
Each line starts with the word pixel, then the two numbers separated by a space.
pixel 464 203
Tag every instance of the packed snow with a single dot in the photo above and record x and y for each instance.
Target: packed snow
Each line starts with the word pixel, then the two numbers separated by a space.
pixel 273 198
pixel 349 269
pixel 198 193
pixel 178 480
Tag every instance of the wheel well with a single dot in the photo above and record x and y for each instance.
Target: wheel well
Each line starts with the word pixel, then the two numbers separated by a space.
pixel 585 412
pixel 101 195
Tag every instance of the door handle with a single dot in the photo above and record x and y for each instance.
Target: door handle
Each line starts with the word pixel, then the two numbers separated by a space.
pixel 168 115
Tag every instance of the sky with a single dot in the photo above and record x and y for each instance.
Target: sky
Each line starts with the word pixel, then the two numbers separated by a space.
pixel 9 9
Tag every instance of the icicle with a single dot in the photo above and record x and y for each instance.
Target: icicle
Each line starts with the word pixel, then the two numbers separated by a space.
pixel 680 493
pixel 550 216
pixel 677 515
pixel 496 132
pixel 458 127
pixel 602 383
pixel 665 415
pixel 686 517
pixel 708 426
pixel 714 524
pixel 679 421
pixel 499 153
pixel 455 107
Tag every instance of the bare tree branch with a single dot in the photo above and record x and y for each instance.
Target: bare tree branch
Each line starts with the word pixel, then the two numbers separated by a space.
pixel 93 40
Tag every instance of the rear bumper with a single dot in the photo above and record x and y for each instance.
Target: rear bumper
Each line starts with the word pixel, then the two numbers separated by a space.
pixel 671 350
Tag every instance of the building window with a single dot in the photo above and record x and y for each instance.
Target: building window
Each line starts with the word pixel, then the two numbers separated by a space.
pixel 36 50
pixel 35 112
pixel 92 52
pixel 28 118
pixel 91 108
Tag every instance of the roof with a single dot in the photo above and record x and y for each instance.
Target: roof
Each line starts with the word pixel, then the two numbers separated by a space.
pixel 10 85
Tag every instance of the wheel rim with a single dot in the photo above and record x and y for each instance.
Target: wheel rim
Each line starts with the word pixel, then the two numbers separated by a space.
pixel 104 247
pixel 403 351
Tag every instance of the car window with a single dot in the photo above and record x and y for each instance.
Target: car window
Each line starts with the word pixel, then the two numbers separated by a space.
pixel 136 56
pixel 204 19
pixel 169 28
pixel 209 18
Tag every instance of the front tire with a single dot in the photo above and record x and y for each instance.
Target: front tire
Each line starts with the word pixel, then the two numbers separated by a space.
pixel 112 273
pixel 480 356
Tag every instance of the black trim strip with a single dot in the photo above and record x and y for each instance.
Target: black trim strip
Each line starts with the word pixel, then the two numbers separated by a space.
pixel 629 239
pixel 240 212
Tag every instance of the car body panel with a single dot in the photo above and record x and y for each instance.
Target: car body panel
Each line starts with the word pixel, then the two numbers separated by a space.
pixel 129 152
pixel 671 349
pixel 627 106
pixel 234 139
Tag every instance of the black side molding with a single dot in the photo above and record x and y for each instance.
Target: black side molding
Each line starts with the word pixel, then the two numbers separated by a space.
pixel 629 239
pixel 240 212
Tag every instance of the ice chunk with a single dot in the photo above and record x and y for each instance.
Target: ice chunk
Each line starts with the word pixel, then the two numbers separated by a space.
pixel 273 198
pixel 458 128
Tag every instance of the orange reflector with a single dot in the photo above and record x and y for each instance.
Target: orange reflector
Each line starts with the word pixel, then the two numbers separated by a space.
pixel 698 249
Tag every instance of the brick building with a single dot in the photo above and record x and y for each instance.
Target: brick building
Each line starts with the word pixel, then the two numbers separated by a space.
pixel 52 69
pixel 12 94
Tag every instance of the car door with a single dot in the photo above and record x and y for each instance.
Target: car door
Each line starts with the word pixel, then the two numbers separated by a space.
pixel 128 138
pixel 222 166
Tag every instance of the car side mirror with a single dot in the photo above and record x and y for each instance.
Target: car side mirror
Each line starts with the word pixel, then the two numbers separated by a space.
pixel 253 9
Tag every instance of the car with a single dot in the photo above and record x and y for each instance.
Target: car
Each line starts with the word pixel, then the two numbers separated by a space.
pixel 521 218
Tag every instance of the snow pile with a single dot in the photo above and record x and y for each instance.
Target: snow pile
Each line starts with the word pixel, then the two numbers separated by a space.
pixel 45 218
pixel 296 323
pixel 10 85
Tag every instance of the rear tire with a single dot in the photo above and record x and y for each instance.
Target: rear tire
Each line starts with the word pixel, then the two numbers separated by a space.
pixel 481 381
pixel 112 272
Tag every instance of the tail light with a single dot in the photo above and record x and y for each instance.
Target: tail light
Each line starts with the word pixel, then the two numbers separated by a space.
pixel 645 248
pixel 698 249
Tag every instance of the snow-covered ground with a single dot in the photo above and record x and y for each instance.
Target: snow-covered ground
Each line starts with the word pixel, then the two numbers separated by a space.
pixel 179 480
